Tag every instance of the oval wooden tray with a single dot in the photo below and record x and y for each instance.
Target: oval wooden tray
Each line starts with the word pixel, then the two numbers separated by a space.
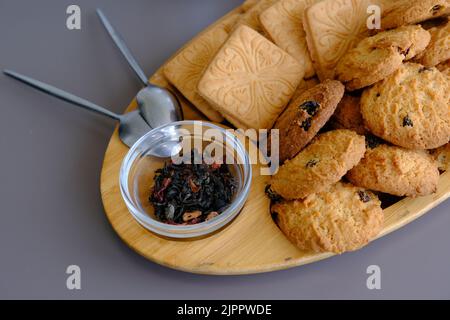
pixel 252 243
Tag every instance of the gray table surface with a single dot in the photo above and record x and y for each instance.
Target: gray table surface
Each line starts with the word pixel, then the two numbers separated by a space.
pixel 51 213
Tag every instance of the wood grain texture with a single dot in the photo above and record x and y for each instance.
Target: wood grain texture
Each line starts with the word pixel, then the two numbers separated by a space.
pixel 252 243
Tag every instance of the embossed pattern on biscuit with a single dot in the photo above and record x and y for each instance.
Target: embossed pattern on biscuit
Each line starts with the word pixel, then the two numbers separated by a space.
pixel 332 28
pixel 283 23
pixel 185 69
pixel 251 79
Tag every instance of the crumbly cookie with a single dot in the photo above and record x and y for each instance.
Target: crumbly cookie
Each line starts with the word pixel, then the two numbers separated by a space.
pixel 283 23
pixel 397 171
pixel 439 48
pixel 376 57
pixel 404 12
pixel 348 115
pixel 306 115
pixel 342 218
pixel 324 162
pixel 442 156
pixel 333 27
pixel 444 68
pixel 410 108
pixel 250 79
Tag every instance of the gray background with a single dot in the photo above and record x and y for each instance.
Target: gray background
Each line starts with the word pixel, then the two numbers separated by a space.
pixel 51 213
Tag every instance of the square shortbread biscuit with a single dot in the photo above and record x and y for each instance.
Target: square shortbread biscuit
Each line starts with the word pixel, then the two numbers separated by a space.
pixel 251 16
pixel 332 28
pixel 250 79
pixel 283 23
pixel 185 69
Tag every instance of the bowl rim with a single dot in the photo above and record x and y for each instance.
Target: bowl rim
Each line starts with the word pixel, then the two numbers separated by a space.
pixel 184 230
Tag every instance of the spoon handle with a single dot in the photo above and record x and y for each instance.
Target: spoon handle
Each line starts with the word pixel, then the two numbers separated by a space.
pixel 60 94
pixel 123 48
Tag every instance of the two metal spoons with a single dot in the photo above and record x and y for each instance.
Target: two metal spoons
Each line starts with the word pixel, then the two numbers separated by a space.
pixel 157 106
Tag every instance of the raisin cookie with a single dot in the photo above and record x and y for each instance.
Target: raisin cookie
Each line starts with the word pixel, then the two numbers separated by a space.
pixel 442 156
pixel 410 108
pixel 306 115
pixel 397 171
pixel 376 57
pixel 324 162
pixel 439 48
pixel 342 218
pixel 348 115
pixel 403 12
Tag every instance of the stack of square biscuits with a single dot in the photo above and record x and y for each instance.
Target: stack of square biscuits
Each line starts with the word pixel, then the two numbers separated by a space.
pixel 360 112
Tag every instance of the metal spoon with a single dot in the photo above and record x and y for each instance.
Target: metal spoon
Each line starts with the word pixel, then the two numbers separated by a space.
pixel 132 125
pixel 157 105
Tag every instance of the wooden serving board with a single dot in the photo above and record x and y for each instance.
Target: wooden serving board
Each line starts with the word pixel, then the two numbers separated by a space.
pixel 252 243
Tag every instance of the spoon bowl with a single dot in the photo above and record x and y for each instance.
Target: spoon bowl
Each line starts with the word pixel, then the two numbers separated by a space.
pixel 157 106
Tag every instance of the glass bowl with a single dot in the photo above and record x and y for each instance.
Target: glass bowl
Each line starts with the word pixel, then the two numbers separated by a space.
pixel 138 170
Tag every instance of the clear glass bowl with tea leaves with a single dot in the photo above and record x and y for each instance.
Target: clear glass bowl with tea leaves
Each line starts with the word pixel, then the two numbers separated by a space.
pixel 193 191
pixel 191 200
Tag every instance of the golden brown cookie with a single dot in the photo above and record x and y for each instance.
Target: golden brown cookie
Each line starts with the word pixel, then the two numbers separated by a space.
pixel 439 48
pixel 397 171
pixel 250 79
pixel 410 108
pixel 283 23
pixel 333 27
pixel 342 218
pixel 348 115
pixel 376 57
pixel 404 12
pixel 324 162
pixel 185 69
pixel 306 115
pixel 442 157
